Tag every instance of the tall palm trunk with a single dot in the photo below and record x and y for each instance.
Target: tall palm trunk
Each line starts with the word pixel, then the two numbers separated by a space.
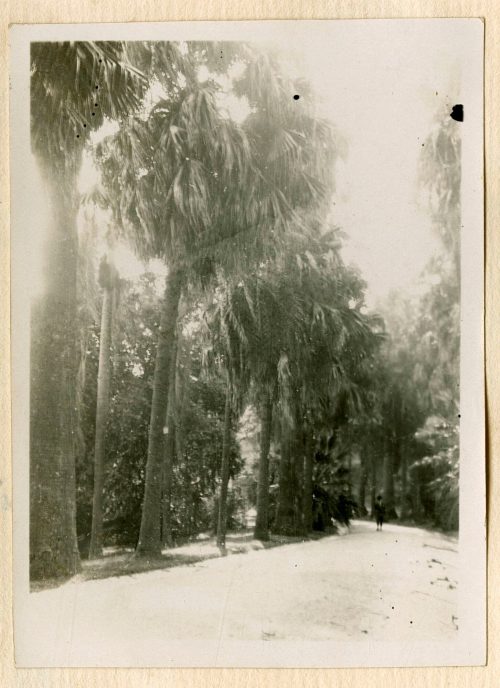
pixel 53 373
pixel 169 454
pixel 298 478
pixel 373 482
pixel 226 439
pixel 389 496
pixel 405 501
pixel 417 508
pixel 308 483
pixel 149 536
pixel 261 531
pixel 180 396
pixel 285 508
pixel 102 412
pixel 363 479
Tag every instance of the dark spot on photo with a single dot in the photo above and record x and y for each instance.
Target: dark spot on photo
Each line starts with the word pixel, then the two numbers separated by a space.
pixel 457 113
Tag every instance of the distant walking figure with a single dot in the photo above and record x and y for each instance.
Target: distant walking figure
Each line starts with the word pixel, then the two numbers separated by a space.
pixel 379 510
pixel 343 510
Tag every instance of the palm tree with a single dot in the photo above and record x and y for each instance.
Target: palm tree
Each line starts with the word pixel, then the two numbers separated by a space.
pixel 224 353
pixel 171 431
pixel 251 327
pixel 307 502
pixel 205 194
pixel 73 87
pixel 440 175
pixel 324 364
pixel 108 278
pixel 225 467
pixel 293 332
pixel 259 319
pixel 261 531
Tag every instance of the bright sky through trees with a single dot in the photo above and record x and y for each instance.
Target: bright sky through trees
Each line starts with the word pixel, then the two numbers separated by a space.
pixel 382 89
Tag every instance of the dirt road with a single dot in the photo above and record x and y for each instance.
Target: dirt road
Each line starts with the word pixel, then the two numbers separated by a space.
pixel 398 585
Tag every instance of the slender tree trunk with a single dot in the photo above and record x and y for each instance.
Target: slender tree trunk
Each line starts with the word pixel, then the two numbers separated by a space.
pixel 180 391
pixel 298 478
pixel 169 454
pixel 389 497
pixel 261 531
pixel 308 483
pixel 53 373
pixel 363 479
pixel 404 484
pixel 373 486
pixel 226 442
pixel 283 469
pixel 149 544
pixel 168 474
pixel 285 510
pixel 417 510
pixel 102 412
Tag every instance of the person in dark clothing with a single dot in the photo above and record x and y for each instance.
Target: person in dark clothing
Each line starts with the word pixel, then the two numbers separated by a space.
pixel 379 511
pixel 345 507
pixel 343 510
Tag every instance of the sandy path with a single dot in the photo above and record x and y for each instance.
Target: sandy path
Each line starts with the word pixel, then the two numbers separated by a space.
pixel 396 585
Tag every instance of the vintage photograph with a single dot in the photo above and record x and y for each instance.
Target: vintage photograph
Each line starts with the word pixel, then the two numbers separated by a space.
pixel 247 274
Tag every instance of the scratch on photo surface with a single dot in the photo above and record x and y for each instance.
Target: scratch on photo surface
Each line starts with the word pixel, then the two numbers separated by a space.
pixel 223 616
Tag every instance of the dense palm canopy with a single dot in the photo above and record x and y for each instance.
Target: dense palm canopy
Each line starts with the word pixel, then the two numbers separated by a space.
pixel 172 177
pixel 74 87
pixel 259 313
pixel 293 333
pixel 194 186
pixel 207 196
